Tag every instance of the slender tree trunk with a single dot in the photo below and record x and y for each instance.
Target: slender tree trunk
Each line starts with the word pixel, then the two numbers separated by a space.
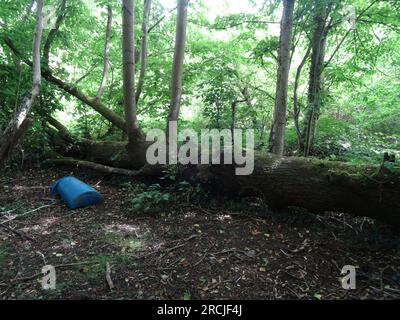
pixel 106 66
pixel 143 54
pixel 177 70
pixel 296 107
pixel 20 124
pixel 128 47
pixel 315 80
pixel 278 132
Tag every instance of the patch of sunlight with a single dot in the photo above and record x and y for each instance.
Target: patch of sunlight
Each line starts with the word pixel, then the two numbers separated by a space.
pixel 128 242
pixel 275 165
pixel 65 245
pixel 131 245
pixel 123 229
pixel 42 226
pixel 192 111
pixel 224 218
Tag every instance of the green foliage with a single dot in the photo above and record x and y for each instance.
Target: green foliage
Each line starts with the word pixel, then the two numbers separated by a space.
pixel 187 296
pixel 230 56
pixel 150 200
pixel 3 256
pixel 338 140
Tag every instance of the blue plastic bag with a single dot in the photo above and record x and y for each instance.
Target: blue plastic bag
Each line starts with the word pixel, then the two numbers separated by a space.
pixel 75 193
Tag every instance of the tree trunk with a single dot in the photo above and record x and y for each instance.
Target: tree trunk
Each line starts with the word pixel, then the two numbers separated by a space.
pixel 143 53
pixel 282 182
pixel 316 185
pixel 278 131
pixel 177 69
pixel 315 80
pixel 93 166
pixel 20 124
pixel 296 105
pixel 128 48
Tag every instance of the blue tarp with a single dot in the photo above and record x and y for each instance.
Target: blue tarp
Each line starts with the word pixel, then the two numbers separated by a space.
pixel 75 193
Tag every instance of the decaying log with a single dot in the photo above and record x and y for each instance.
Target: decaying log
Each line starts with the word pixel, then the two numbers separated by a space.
pixel 316 185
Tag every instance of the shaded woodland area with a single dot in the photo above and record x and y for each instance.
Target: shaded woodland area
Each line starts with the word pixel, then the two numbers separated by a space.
pixel 83 82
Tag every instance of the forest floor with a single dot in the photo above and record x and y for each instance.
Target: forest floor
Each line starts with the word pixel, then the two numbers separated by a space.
pixel 203 248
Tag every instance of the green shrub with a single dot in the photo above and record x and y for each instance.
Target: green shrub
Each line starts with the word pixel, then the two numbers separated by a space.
pixel 150 200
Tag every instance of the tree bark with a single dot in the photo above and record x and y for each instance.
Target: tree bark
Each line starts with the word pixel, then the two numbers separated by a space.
pixel 296 106
pixel 143 54
pixel 128 48
pixel 20 124
pixel 315 79
pixel 316 185
pixel 278 131
pixel 177 69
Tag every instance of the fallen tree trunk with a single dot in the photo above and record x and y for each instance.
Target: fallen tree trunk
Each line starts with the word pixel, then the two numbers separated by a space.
pixel 316 185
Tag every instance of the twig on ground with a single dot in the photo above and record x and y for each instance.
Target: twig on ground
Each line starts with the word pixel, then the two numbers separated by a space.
pixel 27 213
pixel 385 292
pixel 170 249
pixel 43 257
pixel 392 290
pixel 21 235
pixel 204 255
pixel 201 209
pixel 108 277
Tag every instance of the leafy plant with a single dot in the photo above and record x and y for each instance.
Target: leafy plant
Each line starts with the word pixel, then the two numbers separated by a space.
pixel 3 257
pixel 151 199
pixel 187 296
